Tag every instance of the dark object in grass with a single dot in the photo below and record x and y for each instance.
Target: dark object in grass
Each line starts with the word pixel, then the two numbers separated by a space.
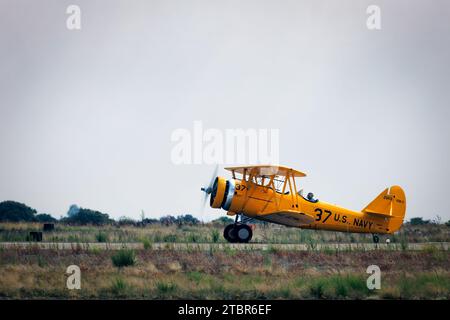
pixel 49 227
pixel 35 236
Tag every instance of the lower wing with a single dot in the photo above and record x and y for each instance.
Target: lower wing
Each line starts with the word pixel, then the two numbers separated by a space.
pixel 288 218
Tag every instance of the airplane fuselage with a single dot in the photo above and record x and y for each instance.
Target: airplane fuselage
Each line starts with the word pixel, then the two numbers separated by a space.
pixel 259 202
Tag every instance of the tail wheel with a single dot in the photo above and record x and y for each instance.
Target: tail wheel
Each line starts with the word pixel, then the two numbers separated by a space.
pixel 244 233
pixel 376 239
pixel 230 233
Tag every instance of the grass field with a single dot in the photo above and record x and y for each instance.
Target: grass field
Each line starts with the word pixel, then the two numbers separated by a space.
pixel 147 273
pixel 225 274
pixel 17 232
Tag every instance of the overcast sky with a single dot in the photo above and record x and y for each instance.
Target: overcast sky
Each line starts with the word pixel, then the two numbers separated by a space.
pixel 87 115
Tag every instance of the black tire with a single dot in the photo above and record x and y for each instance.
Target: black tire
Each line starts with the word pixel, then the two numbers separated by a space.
pixel 229 233
pixel 376 239
pixel 243 233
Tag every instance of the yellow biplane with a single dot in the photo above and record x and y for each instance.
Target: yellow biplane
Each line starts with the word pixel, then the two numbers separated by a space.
pixel 269 193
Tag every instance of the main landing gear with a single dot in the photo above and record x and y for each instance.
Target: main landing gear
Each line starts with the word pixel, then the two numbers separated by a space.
pixel 238 232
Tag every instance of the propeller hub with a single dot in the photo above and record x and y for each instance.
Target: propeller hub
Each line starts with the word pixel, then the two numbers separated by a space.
pixel 207 190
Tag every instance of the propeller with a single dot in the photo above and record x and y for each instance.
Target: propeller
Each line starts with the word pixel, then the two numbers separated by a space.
pixel 208 189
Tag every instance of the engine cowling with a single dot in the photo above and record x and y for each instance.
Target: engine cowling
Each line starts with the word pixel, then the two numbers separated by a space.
pixel 222 193
pixel 218 192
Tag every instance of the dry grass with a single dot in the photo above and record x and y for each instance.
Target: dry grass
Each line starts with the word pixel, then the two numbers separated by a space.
pixel 213 233
pixel 225 275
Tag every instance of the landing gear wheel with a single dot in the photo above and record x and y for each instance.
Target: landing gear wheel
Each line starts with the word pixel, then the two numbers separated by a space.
pixel 244 233
pixel 230 233
pixel 376 239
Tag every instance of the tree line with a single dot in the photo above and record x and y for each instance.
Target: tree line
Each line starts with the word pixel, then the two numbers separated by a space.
pixel 12 211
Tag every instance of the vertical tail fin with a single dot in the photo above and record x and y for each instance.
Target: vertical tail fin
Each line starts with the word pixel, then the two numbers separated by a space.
pixel 391 203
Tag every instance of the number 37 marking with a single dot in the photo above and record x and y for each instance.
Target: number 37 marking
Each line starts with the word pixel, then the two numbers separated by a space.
pixel 320 213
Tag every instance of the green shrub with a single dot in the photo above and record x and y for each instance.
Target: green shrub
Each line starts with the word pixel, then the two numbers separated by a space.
pixel 316 289
pixel 14 235
pixel 403 243
pixel 170 238
pixel 229 251
pixel 101 237
pixel 406 287
pixel 272 249
pixel 157 237
pixel 215 235
pixel 194 238
pixel 329 251
pixel 195 276
pixel 147 244
pixel 312 244
pixel 124 258
pixel 165 288
pixel 41 262
pixel 340 286
pixel 356 286
pixel 267 260
pixel 430 286
pixel 73 238
pixel 95 251
pixel 119 286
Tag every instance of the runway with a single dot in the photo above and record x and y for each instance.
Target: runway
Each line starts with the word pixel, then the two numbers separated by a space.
pixel 226 246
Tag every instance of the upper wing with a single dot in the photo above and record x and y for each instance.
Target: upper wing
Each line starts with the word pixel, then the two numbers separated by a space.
pixel 288 218
pixel 267 170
